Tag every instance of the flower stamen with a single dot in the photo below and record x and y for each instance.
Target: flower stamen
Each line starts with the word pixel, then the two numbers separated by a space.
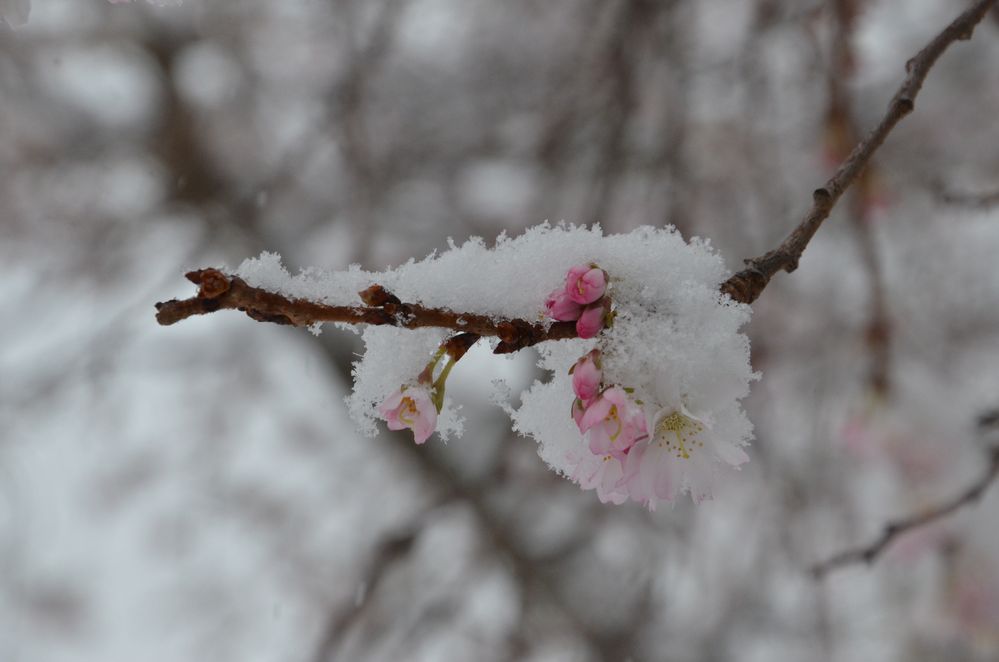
pixel 685 429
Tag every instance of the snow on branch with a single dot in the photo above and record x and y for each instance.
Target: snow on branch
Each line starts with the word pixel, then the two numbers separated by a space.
pixel 220 291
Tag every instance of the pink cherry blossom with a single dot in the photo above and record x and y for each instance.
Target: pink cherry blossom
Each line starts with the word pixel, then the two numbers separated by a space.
pixel 561 307
pixel 681 456
pixel 586 376
pixel 412 408
pixel 603 473
pixel 585 284
pixel 614 423
pixel 591 322
pixel 648 476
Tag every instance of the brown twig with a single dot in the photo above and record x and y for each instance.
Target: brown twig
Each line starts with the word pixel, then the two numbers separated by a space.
pixel 870 552
pixel 219 291
pixel 966 199
pixel 747 285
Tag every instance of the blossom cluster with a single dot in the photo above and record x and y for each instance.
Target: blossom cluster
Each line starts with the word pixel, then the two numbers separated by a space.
pixel 647 455
pixel 652 409
pixel 582 300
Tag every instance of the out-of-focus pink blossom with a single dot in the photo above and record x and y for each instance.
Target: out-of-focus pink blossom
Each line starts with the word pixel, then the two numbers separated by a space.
pixel 586 376
pixel 585 284
pixel 561 307
pixel 413 408
pixel 614 423
pixel 976 602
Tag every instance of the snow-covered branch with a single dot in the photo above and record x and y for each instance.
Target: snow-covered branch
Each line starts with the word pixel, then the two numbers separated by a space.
pixel 220 291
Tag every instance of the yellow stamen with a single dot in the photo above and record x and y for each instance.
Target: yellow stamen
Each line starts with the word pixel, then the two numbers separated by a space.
pixel 685 429
pixel 612 416
pixel 408 406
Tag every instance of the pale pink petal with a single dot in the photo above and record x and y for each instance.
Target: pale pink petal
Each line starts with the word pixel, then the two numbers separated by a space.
pixel 586 378
pixel 591 321
pixel 578 409
pixel 601 442
pixel 585 284
pixel 390 404
pixel 411 408
pixel 561 307
pixel 425 425
pixel 598 410
pixel 731 454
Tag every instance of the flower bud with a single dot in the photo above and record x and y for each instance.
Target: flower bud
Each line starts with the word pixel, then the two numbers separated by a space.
pixel 585 284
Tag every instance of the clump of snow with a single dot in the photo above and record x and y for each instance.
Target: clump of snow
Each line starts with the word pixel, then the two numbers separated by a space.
pixel 675 339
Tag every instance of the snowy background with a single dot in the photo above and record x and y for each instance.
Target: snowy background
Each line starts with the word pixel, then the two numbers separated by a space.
pixel 198 491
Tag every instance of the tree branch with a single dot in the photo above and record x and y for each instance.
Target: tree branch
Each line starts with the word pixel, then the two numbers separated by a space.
pixel 963 198
pixel 747 285
pixel 870 552
pixel 218 291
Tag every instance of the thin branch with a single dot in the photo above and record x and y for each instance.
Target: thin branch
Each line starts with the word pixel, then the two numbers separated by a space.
pixel 965 199
pixel 219 291
pixel 870 552
pixel 747 285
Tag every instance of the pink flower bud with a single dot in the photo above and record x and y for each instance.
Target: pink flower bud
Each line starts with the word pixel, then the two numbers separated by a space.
pixel 586 376
pixel 561 307
pixel 591 321
pixel 585 284
pixel 412 408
